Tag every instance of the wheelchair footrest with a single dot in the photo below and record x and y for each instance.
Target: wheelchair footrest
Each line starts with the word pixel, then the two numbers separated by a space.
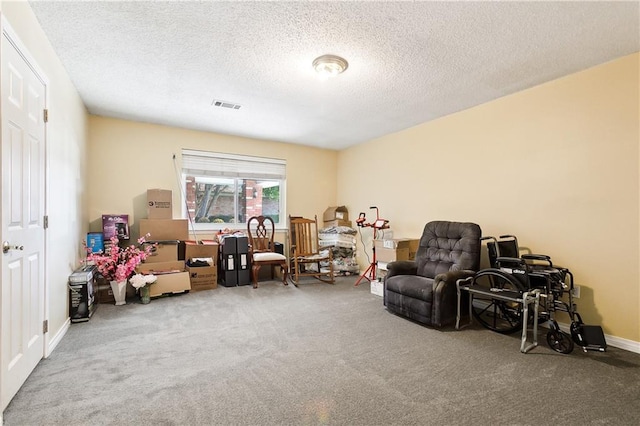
pixel 590 338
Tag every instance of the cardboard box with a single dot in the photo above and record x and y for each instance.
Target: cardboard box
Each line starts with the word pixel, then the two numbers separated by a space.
pixel 171 279
pixel 165 229
pixel 337 222
pixel 381 270
pixel 207 249
pixel 377 288
pixel 381 274
pixel 104 291
pixel 203 277
pixel 159 204
pixel 159 268
pixel 164 251
pixel 396 249
pixel 115 225
pixel 177 282
pixel 336 213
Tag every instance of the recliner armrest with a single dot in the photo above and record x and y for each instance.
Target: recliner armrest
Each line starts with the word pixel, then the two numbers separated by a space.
pixel 402 267
pixel 445 295
pixel 452 276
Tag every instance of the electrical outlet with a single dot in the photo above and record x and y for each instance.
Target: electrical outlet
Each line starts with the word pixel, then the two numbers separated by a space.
pixel 576 291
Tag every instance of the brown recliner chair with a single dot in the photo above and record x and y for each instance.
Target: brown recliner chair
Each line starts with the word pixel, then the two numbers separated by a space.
pixel 424 290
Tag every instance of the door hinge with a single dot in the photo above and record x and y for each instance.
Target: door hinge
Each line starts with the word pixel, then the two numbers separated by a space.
pixel 45 326
pixel 46 115
pixel 45 222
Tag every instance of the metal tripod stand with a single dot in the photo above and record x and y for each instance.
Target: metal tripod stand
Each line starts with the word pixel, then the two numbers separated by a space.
pixel 370 273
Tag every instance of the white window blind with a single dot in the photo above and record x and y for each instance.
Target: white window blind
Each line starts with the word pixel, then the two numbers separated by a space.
pixel 204 163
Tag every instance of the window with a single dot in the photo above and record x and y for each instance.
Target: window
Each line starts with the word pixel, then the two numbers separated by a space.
pixel 225 190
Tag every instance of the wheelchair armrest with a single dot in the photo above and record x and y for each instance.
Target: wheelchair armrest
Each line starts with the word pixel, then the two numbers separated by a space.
pixel 540 257
pixel 517 260
pixel 402 267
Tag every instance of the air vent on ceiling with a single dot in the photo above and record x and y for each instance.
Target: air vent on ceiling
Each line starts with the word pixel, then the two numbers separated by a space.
pixel 225 104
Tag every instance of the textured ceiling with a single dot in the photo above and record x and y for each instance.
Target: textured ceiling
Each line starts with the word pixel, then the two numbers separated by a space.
pixel 409 62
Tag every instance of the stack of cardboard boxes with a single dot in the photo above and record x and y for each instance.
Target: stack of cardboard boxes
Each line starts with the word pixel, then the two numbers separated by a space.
pixel 390 250
pixel 167 260
pixel 338 236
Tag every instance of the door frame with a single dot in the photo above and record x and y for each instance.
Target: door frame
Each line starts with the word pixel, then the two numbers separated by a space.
pixel 7 31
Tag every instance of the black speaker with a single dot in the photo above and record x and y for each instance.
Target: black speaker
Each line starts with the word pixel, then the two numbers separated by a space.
pixel 228 245
pixel 243 261
pixel 227 273
pixel 235 265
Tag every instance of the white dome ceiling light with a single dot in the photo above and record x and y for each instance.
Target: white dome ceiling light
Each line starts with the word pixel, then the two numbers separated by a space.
pixel 329 65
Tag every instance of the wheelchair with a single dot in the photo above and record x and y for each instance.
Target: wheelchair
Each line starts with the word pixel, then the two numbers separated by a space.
pixel 512 273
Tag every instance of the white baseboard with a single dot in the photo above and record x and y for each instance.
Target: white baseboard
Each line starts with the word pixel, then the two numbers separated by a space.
pixel 616 342
pixel 626 344
pixel 53 342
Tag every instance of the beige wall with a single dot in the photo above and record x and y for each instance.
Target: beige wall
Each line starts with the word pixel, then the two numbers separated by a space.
pixel 128 157
pixel 556 165
pixel 66 165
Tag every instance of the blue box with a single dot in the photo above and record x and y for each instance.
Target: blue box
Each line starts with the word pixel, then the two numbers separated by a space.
pixel 95 242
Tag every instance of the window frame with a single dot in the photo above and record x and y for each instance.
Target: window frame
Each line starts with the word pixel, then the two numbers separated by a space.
pixel 237 178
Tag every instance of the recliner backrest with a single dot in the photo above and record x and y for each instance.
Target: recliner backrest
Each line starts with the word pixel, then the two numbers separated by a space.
pixel 448 246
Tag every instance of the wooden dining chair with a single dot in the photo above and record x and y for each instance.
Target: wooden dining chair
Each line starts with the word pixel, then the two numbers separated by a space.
pixel 261 233
pixel 306 256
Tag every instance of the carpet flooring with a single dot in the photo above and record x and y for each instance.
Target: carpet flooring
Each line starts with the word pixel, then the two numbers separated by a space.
pixel 312 355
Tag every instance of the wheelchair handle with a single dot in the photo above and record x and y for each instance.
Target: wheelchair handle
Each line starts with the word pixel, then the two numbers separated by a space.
pixel 513 237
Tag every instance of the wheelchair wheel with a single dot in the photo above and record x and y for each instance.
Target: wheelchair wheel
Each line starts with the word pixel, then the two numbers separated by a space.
pixel 497 315
pixel 559 341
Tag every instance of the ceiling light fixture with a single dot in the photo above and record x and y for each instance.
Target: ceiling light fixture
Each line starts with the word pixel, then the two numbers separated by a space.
pixel 329 65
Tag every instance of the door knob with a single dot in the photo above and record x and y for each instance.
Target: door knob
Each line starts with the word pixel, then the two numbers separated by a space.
pixel 6 247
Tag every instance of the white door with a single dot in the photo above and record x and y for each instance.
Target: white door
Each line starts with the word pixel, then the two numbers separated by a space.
pixel 23 191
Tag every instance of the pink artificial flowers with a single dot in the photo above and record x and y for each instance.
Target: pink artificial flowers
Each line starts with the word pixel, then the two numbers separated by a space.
pixel 120 263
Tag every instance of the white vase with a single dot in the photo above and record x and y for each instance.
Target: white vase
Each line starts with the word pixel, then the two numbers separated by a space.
pixel 119 289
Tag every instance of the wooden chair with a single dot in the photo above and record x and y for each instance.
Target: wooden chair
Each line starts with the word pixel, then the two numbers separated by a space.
pixel 261 232
pixel 305 256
